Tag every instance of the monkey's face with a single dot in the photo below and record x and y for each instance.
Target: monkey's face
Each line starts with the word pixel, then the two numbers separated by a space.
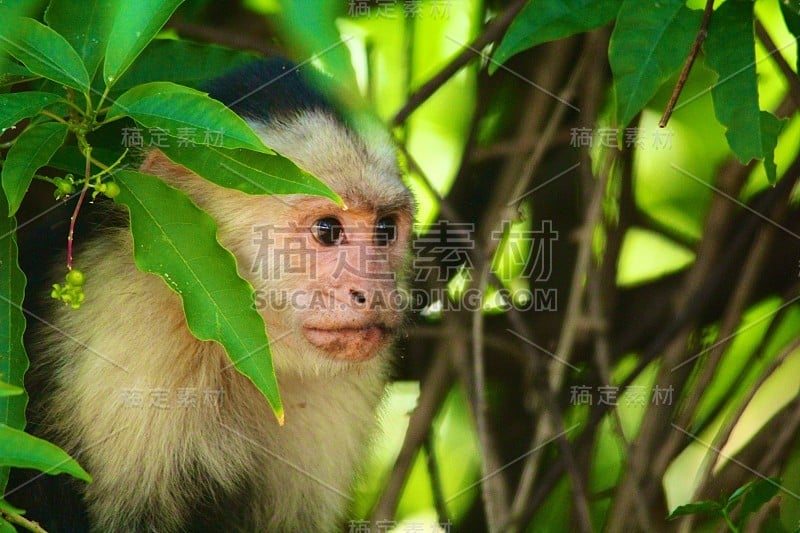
pixel 331 279
pixel 326 277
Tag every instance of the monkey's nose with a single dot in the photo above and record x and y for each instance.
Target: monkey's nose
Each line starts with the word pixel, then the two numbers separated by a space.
pixel 358 296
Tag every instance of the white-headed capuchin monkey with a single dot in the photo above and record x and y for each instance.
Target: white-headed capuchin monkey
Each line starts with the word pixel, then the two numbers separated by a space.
pixel 175 438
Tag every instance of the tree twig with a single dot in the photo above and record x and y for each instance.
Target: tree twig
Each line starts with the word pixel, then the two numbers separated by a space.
pixel 493 32
pixel 702 33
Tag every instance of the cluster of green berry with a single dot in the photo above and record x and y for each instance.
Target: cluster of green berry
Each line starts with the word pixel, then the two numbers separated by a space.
pixel 66 186
pixel 71 293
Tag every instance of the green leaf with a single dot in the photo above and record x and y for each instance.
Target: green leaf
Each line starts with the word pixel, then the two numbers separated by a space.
pixel 14 360
pixel 547 20
pixel 11 72
pixel 730 52
pixel 705 506
pixel 649 45
pixel 177 240
pixel 248 171
pixel 737 494
pixel 16 106
pixel 44 52
pixel 759 493
pixel 771 127
pixel 176 109
pixel 188 63
pixel 31 151
pixel 136 23
pixel 21 450
pixel 86 25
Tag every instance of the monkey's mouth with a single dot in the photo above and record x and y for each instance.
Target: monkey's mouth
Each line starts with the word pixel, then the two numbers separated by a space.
pixel 349 343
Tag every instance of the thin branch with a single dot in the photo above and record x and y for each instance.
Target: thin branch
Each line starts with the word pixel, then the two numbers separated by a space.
pixel 493 32
pixel 439 502
pixel 702 33
pixel 18 520
pixel 554 412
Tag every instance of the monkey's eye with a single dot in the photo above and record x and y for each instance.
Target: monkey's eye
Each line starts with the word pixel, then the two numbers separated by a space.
pixel 328 231
pixel 385 231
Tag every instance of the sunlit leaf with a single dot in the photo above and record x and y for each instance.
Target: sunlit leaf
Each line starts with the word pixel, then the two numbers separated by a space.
pixel 248 171
pixel 21 450
pixel 649 44
pixel 43 52
pixel 176 240
pixel 175 110
pixel 10 390
pixel 136 23
pixel 547 20
pixel 31 151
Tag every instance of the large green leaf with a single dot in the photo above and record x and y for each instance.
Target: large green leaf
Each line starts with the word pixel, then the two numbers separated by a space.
pixel 730 52
pixel 16 106
pixel 177 240
pixel 136 23
pixel 541 21
pixel 248 171
pixel 31 151
pixel 86 25
pixel 648 46
pixel 12 72
pixel 188 63
pixel 13 359
pixel 180 112
pixel 43 52
pixel 21 450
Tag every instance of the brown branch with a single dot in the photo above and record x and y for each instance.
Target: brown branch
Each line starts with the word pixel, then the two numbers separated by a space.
pixel 702 33
pixel 552 410
pixel 493 32
pixel 654 427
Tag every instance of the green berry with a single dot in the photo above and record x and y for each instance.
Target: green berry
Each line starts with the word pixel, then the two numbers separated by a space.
pixel 111 189
pixel 76 278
